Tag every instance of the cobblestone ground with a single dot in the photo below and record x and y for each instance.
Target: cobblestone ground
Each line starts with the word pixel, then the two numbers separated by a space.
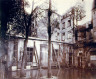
pixel 59 73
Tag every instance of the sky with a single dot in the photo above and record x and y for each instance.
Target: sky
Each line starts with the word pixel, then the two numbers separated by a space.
pixel 63 5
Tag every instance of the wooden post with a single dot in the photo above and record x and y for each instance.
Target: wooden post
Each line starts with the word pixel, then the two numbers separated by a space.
pixel 17 54
pixel 52 52
pixel 58 57
pixel 73 57
pixel 34 52
pixel 63 56
pixel 59 50
pixel 37 56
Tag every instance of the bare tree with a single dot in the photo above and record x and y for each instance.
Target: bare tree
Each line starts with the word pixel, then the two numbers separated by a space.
pixel 78 12
pixel 28 24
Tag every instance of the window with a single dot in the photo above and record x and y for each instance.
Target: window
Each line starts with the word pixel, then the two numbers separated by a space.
pixel 57 34
pixel 63 25
pixel 69 36
pixel 29 54
pixel 63 34
pixel 70 31
pixel 69 22
pixel 63 37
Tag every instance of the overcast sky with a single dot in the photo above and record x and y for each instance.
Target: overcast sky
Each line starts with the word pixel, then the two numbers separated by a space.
pixel 63 5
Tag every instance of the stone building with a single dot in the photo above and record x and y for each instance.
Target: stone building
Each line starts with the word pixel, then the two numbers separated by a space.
pixel 64 33
pixel 94 19
pixel 85 47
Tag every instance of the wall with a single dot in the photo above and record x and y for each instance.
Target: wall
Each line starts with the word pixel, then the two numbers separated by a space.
pixel 20 47
pixel 94 24
pixel 93 59
pixel 68 29
pixel 10 52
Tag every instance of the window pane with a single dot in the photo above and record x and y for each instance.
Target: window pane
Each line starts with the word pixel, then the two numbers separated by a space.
pixel 28 49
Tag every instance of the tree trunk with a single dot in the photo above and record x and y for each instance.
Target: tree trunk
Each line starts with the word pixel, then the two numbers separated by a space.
pixel 49 58
pixel 23 64
pixel 49 40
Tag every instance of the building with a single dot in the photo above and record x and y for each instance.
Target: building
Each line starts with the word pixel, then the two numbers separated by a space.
pixel 94 19
pixel 37 52
pixel 71 45
pixel 68 25
pixel 81 37
pixel 85 47
pixel 64 33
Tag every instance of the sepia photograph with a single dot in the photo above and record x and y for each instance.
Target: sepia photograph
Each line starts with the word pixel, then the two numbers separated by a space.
pixel 47 39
